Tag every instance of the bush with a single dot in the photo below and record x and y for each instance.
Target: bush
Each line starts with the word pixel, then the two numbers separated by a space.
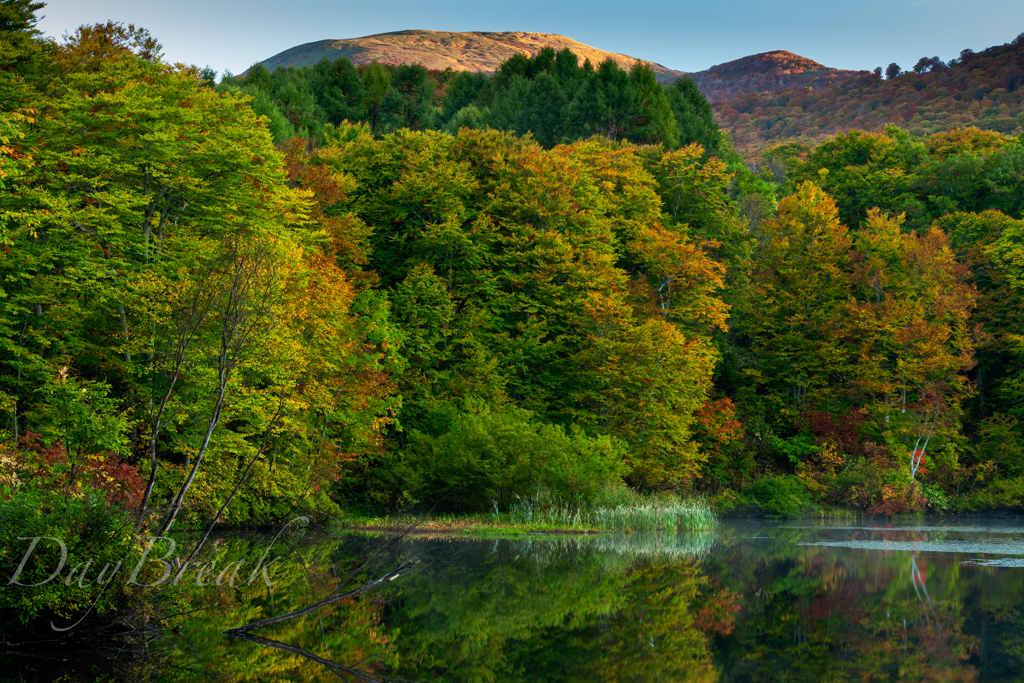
pixel 1000 442
pixel 91 531
pixel 1001 494
pixel 52 468
pixel 482 457
pixel 781 496
pixel 880 483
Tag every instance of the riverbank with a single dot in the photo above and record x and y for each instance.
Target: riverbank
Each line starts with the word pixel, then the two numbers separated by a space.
pixel 542 513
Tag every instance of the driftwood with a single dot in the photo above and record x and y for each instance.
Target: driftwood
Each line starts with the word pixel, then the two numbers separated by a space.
pixel 339 669
pixel 405 568
pixel 411 566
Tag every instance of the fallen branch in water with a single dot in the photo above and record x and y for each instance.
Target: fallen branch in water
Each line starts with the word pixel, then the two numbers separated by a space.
pixel 405 568
pixel 331 666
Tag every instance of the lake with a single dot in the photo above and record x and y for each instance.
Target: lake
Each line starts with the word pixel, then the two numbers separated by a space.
pixel 751 601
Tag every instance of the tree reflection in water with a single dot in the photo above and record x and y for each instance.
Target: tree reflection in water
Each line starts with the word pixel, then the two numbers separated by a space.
pixel 752 602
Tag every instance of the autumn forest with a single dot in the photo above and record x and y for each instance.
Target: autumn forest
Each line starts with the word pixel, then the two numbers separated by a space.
pixel 379 289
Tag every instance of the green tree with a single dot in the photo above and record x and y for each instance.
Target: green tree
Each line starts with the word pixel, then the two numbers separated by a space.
pixel 867 170
pixel 544 110
pixel 465 89
pixel 19 15
pixel 910 330
pixel 798 290
pixel 408 103
pixel 338 90
pixel 376 83
pixel 509 110
pixel 655 123
pixel 162 263
pixel 606 104
pixel 693 116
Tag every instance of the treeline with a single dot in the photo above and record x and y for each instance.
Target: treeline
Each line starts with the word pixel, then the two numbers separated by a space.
pixel 177 318
pixel 196 320
pixel 192 313
pixel 980 89
pixel 550 95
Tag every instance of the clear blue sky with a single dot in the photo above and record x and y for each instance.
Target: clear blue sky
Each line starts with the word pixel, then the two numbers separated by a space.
pixel 689 36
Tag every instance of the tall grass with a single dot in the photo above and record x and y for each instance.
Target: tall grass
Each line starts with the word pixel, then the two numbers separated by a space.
pixel 618 509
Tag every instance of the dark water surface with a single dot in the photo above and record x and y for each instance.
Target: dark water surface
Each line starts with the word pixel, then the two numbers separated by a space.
pixel 752 601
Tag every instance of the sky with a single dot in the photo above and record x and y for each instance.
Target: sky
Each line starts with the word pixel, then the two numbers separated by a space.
pixel 680 34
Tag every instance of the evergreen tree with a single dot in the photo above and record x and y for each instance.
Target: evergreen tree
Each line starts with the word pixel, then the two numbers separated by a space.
pixel 694 116
pixel 545 110
pixel 376 82
pixel 338 90
pixel 19 16
pixel 655 123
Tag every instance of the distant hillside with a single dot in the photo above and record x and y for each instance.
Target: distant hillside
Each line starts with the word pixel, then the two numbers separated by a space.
pixel 981 89
pixel 765 72
pixel 761 100
pixel 472 51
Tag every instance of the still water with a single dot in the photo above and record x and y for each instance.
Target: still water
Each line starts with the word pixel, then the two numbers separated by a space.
pixel 752 601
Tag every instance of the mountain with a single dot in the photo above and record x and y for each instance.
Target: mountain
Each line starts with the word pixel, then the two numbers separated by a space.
pixel 471 51
pixel 485 51
pixel 983 89
pixel 761 100
pixel 766 72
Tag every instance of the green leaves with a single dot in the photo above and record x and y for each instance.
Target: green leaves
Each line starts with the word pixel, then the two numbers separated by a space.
pixel 484 456
pixel 797 295
pixel 81 415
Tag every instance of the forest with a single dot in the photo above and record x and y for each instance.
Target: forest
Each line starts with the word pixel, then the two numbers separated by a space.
pixel 976 89
pixel 334 289
pixel 551 96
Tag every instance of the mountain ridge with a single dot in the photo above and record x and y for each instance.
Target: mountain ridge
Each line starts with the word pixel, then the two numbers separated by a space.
pixel 460 51
pixel 982 89
pixel 484 51
pixel 768 72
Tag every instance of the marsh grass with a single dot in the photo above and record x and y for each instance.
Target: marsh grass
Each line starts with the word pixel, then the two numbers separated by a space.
pixel 618 509
pixel 614 509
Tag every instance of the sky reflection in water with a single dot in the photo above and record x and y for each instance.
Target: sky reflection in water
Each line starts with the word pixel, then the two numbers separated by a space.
pixel 978 540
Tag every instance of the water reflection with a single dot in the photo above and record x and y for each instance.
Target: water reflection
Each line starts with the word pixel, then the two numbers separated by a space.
pixel 750 602
pixel 542 547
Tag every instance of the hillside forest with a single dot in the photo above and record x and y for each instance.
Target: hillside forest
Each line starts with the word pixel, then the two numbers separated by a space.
pixel 979 89
pixel 551 96
pixel 332 289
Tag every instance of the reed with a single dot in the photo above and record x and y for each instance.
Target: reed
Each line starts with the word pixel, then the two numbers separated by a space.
pixel 636 513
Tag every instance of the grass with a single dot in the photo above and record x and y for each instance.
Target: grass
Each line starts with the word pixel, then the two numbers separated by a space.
pixel 616 509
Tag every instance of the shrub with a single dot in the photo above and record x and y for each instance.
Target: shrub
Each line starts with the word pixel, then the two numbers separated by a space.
pixel 1001 494
pixel 92 532
pixel 720 436
pixel 795 449
pixel 51 468
pixel 820 473
pixel 482 457
pixel 781 496
pixel 1000 442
